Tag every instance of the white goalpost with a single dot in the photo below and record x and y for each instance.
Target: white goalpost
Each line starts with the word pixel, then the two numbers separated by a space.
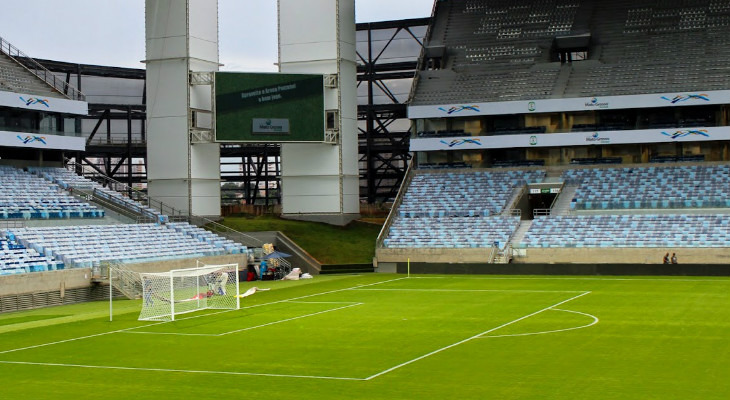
pixel 180 291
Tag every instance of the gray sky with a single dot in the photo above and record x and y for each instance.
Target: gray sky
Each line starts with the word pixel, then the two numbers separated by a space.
pixel 111 32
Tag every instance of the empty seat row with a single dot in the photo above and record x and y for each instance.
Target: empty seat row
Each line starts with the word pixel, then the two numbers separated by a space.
pixel 666 230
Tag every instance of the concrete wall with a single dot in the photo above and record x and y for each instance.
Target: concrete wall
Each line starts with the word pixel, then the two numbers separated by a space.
pixel 38 282
pixel 45 281
pixel 480 255
pixel 623 255
pixel 560 255
pixel 565 269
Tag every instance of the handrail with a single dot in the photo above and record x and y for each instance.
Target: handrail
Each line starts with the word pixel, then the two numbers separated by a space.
pixel 492 255
pixel 173 214
pixel 40 71
pixel 134 194
pixel 509 208
pixel 555 199
pixel 419 65
pixel 393 209
pixel 223 230
pixel 115 141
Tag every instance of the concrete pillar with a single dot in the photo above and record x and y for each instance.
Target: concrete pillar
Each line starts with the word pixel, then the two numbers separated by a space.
pixel 181 36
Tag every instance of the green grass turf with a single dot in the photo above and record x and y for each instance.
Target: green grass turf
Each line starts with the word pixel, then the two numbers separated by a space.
pixel 385 336
pixel 351 244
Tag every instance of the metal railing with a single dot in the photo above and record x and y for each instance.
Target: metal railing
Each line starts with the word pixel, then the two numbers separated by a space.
pixel 173 214
pixel 394 208
pixel 222 230
pixel 115 142
pixel 40 71
pixel 422 55
pixel 134 194
pixel 123 279
pixel 492 255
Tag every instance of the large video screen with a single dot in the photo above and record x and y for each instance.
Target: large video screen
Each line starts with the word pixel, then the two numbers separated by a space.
pixel 269 107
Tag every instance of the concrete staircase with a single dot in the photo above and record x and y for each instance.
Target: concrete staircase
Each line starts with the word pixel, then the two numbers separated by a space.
pixel 516 194
pixel 124 280
pixel 16 78
pixel 520 232
pixel 562 205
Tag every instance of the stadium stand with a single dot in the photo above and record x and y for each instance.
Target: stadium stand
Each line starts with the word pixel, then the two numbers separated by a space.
pixel 17 259
pixel 651 230
pixel 67 179
pixel 23 195
pixel 16 78
pixel 88 246
pixel 675 187
pixel 502 50
pixel 462 194
pixel 451 232
pixel 458 209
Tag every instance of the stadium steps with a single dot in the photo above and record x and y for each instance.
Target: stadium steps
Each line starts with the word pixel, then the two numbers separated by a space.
pixel 517 193
pixel 16 78
pixel 122 212
pixel 520 232
pixel 346 269
pixel 126 281
pixel 562 205
pixel 561 82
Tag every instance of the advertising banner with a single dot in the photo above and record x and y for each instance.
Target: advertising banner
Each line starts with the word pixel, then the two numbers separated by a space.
pixel 572 104
pixel 572 139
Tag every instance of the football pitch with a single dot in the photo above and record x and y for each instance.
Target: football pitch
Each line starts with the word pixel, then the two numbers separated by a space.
pixel 384 336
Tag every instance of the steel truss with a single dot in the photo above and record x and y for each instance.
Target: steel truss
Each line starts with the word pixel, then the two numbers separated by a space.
pixel 116 137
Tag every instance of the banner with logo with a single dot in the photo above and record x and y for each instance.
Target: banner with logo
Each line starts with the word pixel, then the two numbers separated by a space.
pixel 572 104
pixel 572 139
pixel 43 103
pixel 39 141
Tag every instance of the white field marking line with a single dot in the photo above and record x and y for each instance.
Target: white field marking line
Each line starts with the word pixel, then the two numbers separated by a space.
pixel 391 369
pixel 245 329
pixel 595 321
pixel 480 290
pixel 291 319
pixel 187 371
pixel 171 333
pixel 722 279
pixel 196 316
pixel 327 292
pixel 324 302
pixel 77 338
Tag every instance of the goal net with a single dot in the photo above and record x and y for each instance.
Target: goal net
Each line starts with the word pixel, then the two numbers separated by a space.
pixel 180 291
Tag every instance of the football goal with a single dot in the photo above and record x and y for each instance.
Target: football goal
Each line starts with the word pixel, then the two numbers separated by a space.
pixel 180 291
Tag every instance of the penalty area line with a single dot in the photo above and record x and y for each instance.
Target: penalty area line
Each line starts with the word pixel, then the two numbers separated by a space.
pixel 196 316
pixel 289 319
pixel 474 290
pixel 187 371
pixel 391 369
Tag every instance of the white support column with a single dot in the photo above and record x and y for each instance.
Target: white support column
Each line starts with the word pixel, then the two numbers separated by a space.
pixel 181 36
pixel 320 182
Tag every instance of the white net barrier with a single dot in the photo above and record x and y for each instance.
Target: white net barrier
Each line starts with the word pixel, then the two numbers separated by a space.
pixel 167 294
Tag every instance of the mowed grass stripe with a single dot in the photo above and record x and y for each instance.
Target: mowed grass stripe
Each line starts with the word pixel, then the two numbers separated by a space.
pixel 385 320
pixel 657 338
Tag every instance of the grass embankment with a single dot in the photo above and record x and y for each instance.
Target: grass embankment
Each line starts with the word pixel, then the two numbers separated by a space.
pixel 351 244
